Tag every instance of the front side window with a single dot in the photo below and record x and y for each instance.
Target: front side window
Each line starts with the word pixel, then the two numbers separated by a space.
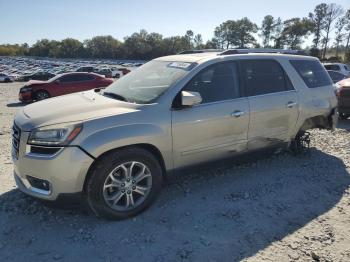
pixel 69 78
pixel 312 72
pixel 264 77
pixel 217 82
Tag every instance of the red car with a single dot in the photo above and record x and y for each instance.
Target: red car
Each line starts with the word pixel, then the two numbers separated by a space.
pixel 61 85
pixel 343 94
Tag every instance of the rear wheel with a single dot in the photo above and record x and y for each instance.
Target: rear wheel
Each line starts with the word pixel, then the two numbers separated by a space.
pixel 344 116
pixel 7 80
pixel 124 183
pixel 41 95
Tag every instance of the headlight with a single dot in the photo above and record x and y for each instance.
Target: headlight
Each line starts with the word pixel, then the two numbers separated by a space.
pixel 54 136
pixel 25 89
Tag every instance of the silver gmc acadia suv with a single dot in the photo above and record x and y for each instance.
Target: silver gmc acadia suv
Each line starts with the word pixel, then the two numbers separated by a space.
pixel 114 146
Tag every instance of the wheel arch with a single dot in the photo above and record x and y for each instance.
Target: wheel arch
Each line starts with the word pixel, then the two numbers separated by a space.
pixel 149 147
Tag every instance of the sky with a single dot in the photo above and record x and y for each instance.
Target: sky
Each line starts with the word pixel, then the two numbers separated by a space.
pixel 26 21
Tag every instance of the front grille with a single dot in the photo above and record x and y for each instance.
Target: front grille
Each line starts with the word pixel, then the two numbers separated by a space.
pixel 16 137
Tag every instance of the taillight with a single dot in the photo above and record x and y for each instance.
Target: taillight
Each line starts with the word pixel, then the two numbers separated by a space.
pixel 338 92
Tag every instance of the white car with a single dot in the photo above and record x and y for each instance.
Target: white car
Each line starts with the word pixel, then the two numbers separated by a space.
pixel 339 67
pixel 6 78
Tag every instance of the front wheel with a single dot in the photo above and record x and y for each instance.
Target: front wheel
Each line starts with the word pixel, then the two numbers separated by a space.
pixel 124 183
pixel 41 95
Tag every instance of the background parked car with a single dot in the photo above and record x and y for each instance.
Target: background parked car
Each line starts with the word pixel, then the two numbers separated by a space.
pixel 87 69
pixel 339 67
pixel 41 75
pixel 61 85
pixel 343 94
pixel 105 72
pixel 336 76
pixel 6 78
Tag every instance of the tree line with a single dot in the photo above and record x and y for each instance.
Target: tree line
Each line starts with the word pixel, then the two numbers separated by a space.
pixel 242 33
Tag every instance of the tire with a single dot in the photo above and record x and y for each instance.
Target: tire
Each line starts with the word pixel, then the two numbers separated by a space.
pixel 113 201
pixel 344 116
pixel 7 80
pixel 41 95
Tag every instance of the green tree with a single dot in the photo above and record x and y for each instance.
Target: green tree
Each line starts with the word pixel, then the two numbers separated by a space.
pixel 267 28
pixel 339 34
pixel 277 36
pixel 333 12
pixel 318 18
pixel 295 30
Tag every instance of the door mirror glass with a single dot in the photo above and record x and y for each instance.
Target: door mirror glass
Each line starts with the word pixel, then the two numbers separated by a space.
pixel 190 98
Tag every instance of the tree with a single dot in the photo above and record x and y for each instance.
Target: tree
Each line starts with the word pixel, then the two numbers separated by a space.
pixel 277 36
pixel 198 41
pixel 236 33
pixel 333 12
pixel 102 47
pixel 245 30
pixel 223 33
pixel 339 35
pixel 347 29
pixel 267 28
pixel 318 19
pixel 294 30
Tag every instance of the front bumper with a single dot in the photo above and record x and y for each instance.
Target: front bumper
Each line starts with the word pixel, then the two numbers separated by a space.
pixel 63 172
pixel 25 97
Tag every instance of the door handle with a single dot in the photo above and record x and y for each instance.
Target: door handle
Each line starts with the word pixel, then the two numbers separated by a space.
pixel 291 104
pixel 237 113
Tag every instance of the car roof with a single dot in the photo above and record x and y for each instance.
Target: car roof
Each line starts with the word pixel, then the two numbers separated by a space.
pixel 203 57
pixel 80 73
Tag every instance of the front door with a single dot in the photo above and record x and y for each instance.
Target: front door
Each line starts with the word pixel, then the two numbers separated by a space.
pixel 218 126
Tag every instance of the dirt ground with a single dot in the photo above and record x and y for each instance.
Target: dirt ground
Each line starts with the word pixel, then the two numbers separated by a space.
pixel 279 208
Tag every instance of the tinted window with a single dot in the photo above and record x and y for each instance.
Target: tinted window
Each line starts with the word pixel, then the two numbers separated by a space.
pixel 85 78
pixel 312 72
pixel 336 77
pixel 332 67
pixel 69 78
pixel 264 77
pixel 216 83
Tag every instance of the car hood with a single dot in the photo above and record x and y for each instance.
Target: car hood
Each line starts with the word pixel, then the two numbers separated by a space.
pixel 344 82
pixel 76 107
pixel 35 82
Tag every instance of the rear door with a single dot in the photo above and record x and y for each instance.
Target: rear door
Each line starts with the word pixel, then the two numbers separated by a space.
pixel 218 126
pixel 273 102
pixel 74 83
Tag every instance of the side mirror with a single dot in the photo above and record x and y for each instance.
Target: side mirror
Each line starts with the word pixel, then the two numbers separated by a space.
pixel 57 81
pixel 189 99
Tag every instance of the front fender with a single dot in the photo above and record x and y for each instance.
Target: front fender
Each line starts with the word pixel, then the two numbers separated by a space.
pixel 119 136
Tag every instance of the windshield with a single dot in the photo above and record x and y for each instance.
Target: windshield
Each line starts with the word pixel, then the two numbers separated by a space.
pixel 146 83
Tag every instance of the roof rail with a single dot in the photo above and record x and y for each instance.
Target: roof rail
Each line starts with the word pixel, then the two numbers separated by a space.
pixel 262 50
pixel 199 51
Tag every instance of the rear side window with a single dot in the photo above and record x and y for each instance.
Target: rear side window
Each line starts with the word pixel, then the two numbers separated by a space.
pixel 312 72
pixel 332 67
pixel 217 82
pixel 264 77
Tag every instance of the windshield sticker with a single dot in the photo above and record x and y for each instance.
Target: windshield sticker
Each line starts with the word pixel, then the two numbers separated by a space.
pixel 182 65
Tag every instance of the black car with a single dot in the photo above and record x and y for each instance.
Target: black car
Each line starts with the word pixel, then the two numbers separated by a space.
pixel 87 69
pixel 336 76
pixel 38 76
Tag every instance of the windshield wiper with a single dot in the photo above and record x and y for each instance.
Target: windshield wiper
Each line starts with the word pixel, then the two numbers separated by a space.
pixel 115 96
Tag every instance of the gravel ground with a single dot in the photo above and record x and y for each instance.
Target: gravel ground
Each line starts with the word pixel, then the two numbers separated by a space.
pixel 279 208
